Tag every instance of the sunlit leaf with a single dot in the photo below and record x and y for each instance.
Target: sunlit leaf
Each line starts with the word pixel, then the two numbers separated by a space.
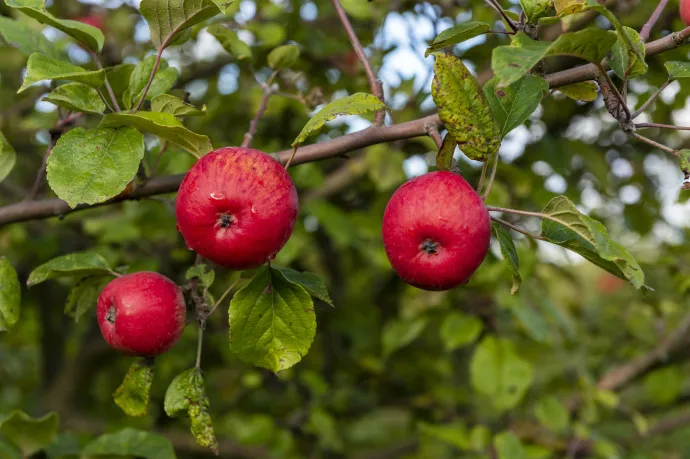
pixel 537 9
pixel 162 82
pixel 87 167
pixel 27 39
pixel 677 69
pixel 40 67
pixel 283 57
pixel 311 282
pixel 167 103
pixel 164 125
pixel 457 34
pixel 509 446
pixel 624 60
pixel 90 36
pixel 588 237
pixel 73 264
pixel 356 104
pixel 230 41
pixel 510 63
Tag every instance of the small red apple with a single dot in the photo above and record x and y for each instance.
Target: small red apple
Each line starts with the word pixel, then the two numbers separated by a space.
pixel 685 11
pixel 436 231
pixel 141 314
pixel 237 207
pixel 94 20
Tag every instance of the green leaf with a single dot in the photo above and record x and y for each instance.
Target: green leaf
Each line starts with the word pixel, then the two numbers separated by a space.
pixel 677 69
pixel 311 282
pixel 463 108
pixel 40 67
pixel 283 57
pixel 272 321
pixel 398 333
pixel 164 125
pixel 90 36
pixel 459 329
pixel 167 19
pixel 444 158
pixel 31 435
pixel 510 255
pixel 165 103
pixel 509 446
pixel 641 424
pixel 131 442
pixel 186 395
pixel 8 157
pixel 537 9
pixel 588 237
pixel 10 295
pixel 83 296
pixel 510 63
pixel 133 394
pixel 457 34
pixel 454 433
pixel 73 264
pixel 205 275
pixel 162 82
pixel 498 372
pixel 356 104
pixel 565 7
pixel 224 5
pixel 27 39
pixel 585 91
pixel 230 41
pixel 77 97
pixel 9 451
pixel 552 414
pixel 88 167
pixel 623 60
pixel 512 105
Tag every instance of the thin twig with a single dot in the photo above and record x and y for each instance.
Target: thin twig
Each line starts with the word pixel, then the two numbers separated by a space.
pixel 491 177
pixel 107 83
pixel 647 28
pixel 501 32
pixel 148 83
pixel 655 144
pixel 200 343
pixel 40 177
pixel 651 99
pixel 499 9
pixel 517 228
pixel 375 84
pixel 661 126
pixel 163 149
pixel 105 101
pixel 223 296
pixel 253 125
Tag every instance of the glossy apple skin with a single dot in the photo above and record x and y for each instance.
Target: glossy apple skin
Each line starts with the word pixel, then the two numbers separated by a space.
pixel 141 314
pixel 685 11
pixel 237 207
pixel 436 231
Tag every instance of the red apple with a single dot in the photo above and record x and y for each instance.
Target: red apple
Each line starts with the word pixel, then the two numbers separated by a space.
pixel 94 20
pixel 436 231
pixel 685 11
pixel 141 314
pixel 237 207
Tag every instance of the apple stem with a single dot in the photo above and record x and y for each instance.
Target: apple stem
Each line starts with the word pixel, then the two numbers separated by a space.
pixel 482 176
pixel 200 343
pixel 223 296
pixel 107 83
pixel 517 228
pixel 491 177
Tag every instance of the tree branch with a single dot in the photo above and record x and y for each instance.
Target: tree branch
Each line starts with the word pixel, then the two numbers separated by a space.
pixel 268 91
pixel 374 83
pixel 651 99
pixel 32 210
pixel 647 28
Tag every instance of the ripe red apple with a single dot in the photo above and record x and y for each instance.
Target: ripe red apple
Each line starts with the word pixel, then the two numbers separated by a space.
pixel 141 314
pixel 237 207
pixel 685 11
pixel 436 231
pixel 94 20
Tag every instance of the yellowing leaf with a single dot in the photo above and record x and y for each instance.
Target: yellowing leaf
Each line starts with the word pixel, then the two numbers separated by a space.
pixel 463 108
pixel 585 91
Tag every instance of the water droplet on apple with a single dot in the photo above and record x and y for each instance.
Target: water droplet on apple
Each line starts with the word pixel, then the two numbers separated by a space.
pixel 217 196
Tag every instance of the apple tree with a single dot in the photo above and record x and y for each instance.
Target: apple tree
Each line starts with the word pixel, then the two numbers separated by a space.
pixel 344 229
